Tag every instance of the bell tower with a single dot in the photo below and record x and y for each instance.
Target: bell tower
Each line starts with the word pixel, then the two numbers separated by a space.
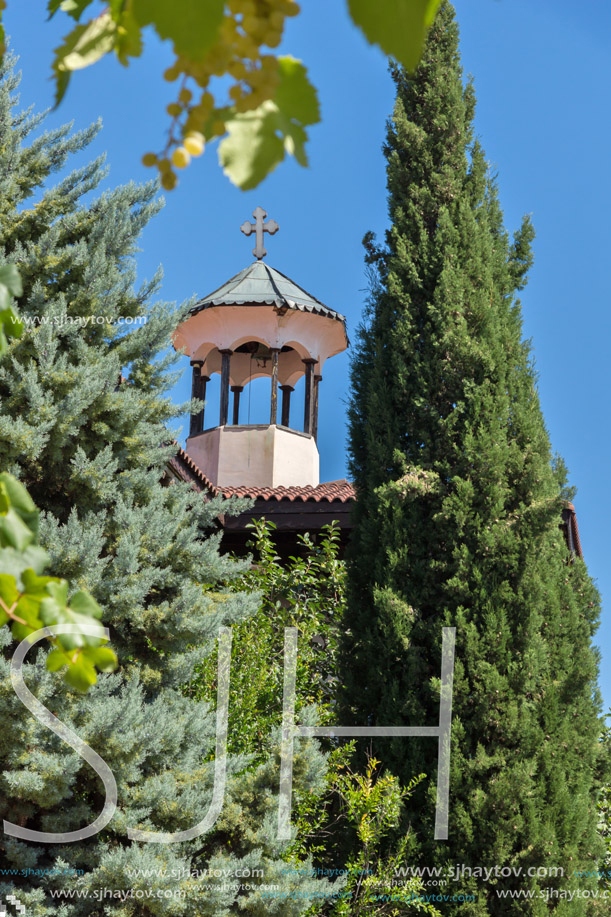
pixel 259 324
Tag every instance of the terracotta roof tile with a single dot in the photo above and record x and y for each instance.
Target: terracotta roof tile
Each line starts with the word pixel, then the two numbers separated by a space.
pixel 185 468
pixel 341 491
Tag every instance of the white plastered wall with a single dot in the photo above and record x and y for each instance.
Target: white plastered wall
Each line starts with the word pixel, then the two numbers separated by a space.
pixel 227 327
pixel 256 456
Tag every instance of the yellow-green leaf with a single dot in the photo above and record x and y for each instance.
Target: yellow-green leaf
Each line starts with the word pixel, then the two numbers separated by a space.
pixel 28 609
pixel 84 604
pixel 58 592
pixel 258 140
pixel 81 674
pixel 252 149
pixel 10 279
pixel 85 45
pixel 296 97
pixel 101 657
pixel 9 594
pixel 11 326
pixel 57 659
pixel 20 500
pixel 36 585
pixel 14 533
pixel 129 38
pixel 23 631
pixel 74 8
pixel 191 25
pixel 398 27
pixel 82 610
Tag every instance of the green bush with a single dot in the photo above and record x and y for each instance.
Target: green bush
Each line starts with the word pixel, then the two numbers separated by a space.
pixel 307 593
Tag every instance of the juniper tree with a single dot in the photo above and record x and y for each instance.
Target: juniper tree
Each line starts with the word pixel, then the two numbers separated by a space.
pixel 90 449
pixel 457 519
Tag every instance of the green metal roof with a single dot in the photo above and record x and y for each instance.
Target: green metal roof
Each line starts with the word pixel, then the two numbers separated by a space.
pixel 259 284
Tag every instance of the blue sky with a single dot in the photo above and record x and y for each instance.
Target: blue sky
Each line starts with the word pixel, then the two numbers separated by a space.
pixel 542 74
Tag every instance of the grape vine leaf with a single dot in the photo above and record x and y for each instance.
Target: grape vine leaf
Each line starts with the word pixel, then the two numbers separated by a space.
pixel 129 38
pixel 18 530
pixel 398 27
pixel 28 606
pixel 258 140
pixel 252 148
pixel 9 594
pixel 11 325
pixel 296 96
pixel 18 515
pixel 82 609
pixel 81 672
pixel 14 533
pixel 16 495
pixel 73 8
pixel 85 45
pixel 191 27
pixel 15 562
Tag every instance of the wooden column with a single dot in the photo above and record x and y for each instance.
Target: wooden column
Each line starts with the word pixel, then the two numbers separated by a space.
pixel 273 414
pixel 317 381
pixel 236 389
pixel 198 390
pixel 286 404
pixel 308 411
pixel 225 367
pixel 202 394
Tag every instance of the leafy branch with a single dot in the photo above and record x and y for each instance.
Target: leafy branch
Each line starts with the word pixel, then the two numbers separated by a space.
pixel 231 83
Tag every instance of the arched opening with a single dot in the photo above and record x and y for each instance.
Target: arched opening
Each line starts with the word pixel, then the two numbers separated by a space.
pixel 234 385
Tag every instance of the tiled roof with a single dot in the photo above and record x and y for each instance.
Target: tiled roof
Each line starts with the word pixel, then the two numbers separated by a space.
pixel 341 491
pixel 331 491
pixel 185 468
pixel 261 284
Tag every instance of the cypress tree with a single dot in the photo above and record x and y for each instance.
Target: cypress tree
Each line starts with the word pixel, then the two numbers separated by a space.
pixel 459 501
pixel 89 447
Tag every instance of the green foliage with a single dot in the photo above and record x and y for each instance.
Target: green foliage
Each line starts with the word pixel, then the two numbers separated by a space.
pixel 84 409
pixel 373 804
pixel 457 519
pixel 604 818
pixel 268 108
pixel 270 104
pixel 372 880
pixel 307 592
pixel 27 599
pixel 317 819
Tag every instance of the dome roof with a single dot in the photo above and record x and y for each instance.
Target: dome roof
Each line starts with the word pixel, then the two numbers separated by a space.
pixel 258 285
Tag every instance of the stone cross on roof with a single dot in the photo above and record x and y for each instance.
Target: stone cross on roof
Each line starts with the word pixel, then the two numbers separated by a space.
pixel 259 227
